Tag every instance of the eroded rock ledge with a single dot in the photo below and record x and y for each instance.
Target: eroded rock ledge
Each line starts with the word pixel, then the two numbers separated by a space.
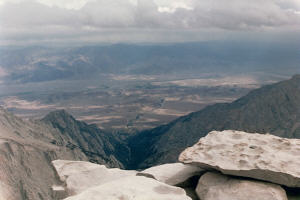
pixel 258 156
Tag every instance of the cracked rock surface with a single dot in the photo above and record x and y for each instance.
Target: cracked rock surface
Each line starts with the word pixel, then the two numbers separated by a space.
pixel 264 157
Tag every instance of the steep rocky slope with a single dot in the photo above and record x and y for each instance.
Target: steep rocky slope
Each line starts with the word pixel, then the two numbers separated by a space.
pixel 25 153
pixel 273 108
pixel 99 146
pixel 28 147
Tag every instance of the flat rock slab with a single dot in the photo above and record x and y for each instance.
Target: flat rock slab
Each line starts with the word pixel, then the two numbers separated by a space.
pixel 259 156
pixel 133 188
pixel 79 175
pixel 5 193
pixel 173 173
pixel 215 186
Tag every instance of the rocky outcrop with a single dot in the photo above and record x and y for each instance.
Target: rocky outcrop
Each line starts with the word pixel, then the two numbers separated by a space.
pixel 215 186
pixel 5 192
pixel 133 188
pixel 172 174
pixel 79 176
pixel 84 180
pixel 263 157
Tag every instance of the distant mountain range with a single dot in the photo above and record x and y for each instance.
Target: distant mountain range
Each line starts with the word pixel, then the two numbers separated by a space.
pixel 39 64
pixel 28 147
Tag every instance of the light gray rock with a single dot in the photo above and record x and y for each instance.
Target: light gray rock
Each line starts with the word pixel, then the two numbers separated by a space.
pixel 26 152
pixel 59 192
pixel 173 173
pixel 215 186
pixel 264 157
pixel 79 175
pixel 133 188
pixel 5 192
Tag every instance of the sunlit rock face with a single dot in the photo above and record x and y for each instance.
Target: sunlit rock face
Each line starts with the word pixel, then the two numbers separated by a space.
pixel 133 188
pixel 264 157
pixel 85 180
pixel 79 176
pixel 215 186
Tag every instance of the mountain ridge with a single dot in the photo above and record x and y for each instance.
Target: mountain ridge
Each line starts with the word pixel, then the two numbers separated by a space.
pixel 272 108
pixel 26 153
pixel 98 145
pixel 28 147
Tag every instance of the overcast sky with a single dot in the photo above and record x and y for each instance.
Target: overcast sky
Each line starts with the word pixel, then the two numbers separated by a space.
pixel 96 21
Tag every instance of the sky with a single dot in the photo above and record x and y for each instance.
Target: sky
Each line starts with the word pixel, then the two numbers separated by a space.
pixel 31 22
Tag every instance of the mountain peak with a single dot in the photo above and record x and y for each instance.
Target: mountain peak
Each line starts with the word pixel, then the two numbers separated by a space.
pixel 59 118
pixel 59 111
pixel 61 114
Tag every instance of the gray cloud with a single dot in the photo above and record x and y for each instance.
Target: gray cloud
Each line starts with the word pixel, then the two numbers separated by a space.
pixel 121 20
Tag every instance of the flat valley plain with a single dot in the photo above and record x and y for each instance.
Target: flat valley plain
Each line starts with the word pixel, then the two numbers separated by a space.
pixel 128 103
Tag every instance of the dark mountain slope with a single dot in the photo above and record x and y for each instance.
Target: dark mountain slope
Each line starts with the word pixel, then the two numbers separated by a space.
pixel 273 108
pixel 97 145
